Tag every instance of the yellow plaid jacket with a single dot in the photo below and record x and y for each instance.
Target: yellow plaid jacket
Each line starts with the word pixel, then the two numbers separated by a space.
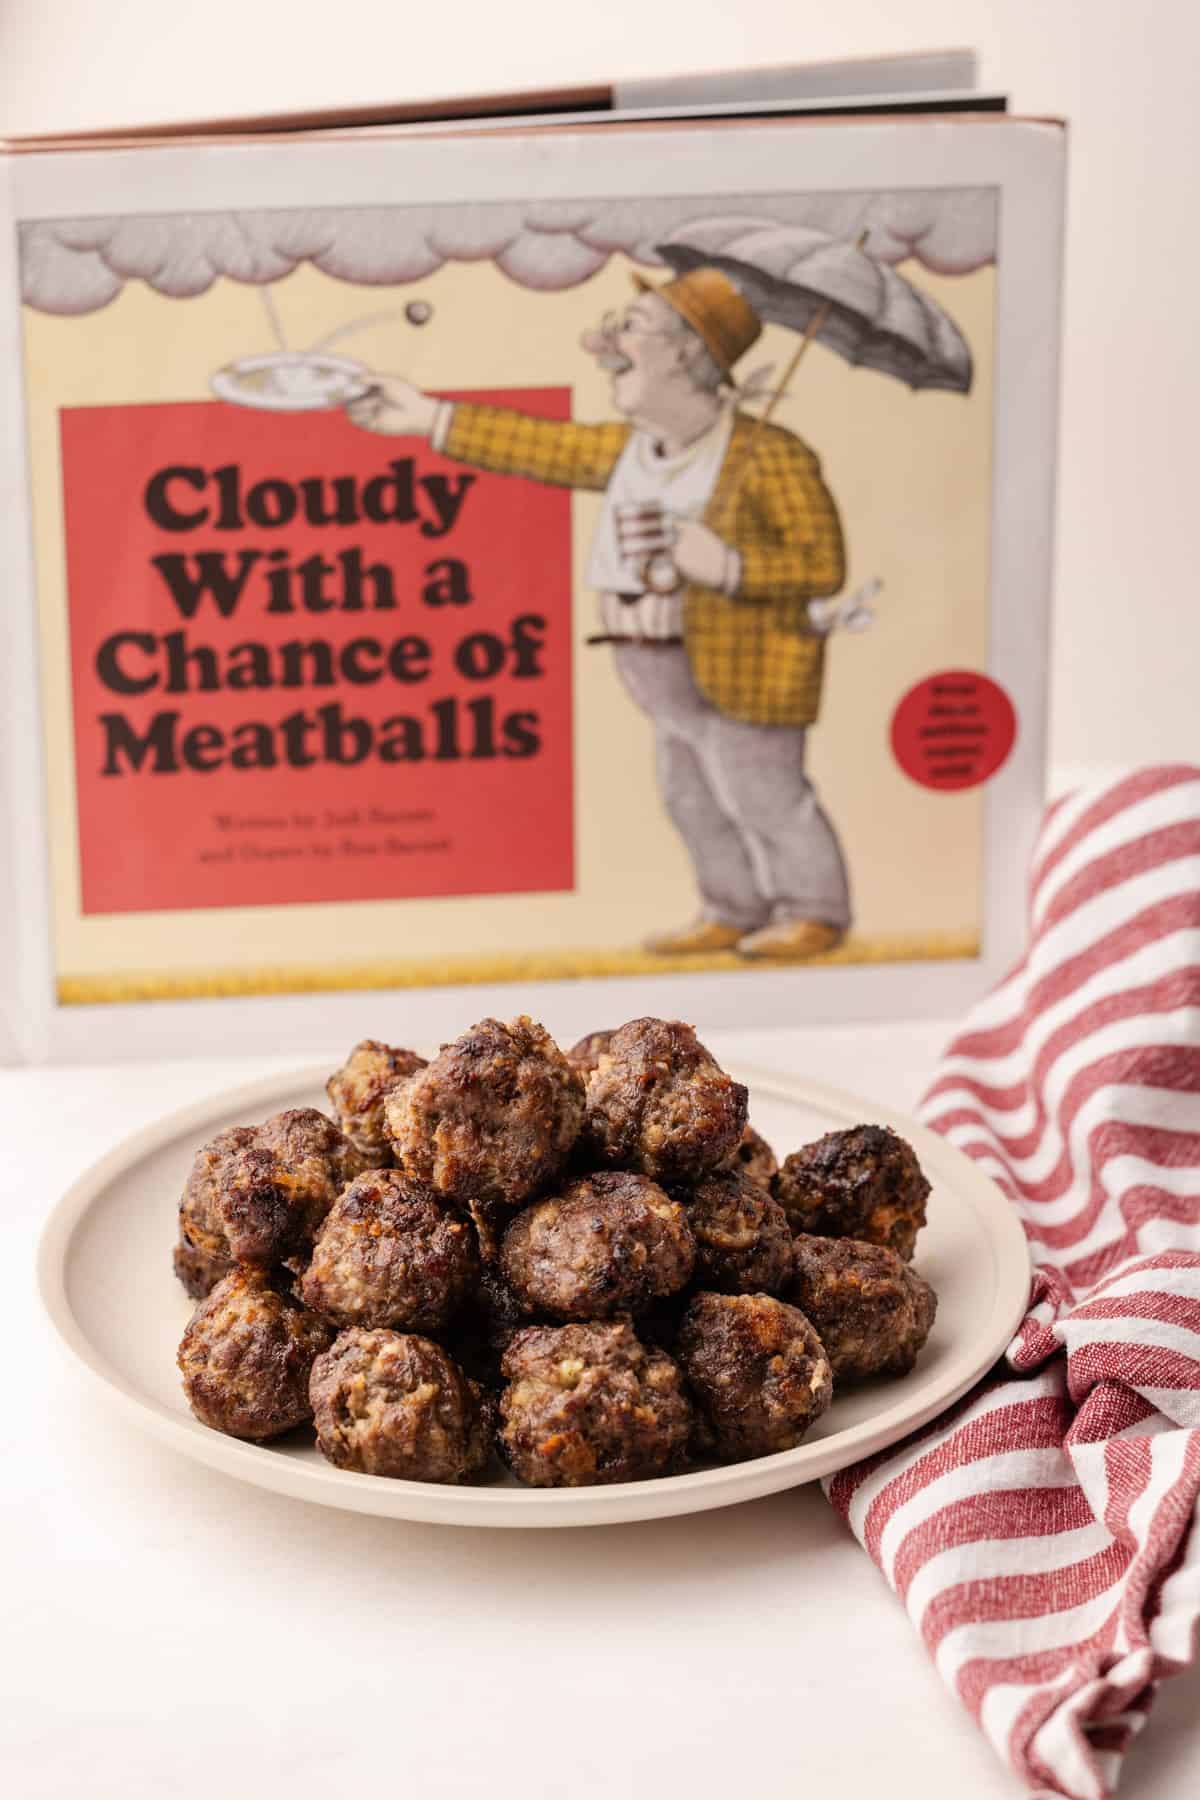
pixel 753 655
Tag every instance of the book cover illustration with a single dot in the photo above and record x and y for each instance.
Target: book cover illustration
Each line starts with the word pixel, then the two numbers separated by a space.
pixel 513 590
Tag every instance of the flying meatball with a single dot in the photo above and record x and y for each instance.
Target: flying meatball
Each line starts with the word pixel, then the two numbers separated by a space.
pixel 658 1103
pixel 493 1117
pixel 258 1194
pixel 246 1357
pixel 589 1404
pixel 743 1241
pixel 358 1090
pixel 386 1403
pixel 872 1312
pixel 390 1253
pixel 757 1371
pixel 753 1157
pixel 862 1183
pixel 608 1243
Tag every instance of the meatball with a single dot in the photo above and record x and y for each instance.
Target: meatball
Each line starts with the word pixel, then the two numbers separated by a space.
pixel 492 1118
pixel 387 1403
pixel 358 1090
pixel 658 1103
pixel 197 1269
pixel 246 1357
pixel 743 1241
pixel 589 1404
pixel 609 1243
pixel 588 1051
pixel 315 1162
pixel 863 1183
pixel 752 1156
pixel 258 1194
pixel 872 1312
pixel 390 1253
pixel 757 1371
pixel 201 1220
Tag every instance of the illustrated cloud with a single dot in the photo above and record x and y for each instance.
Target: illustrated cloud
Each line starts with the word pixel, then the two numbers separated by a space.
pixel 79 265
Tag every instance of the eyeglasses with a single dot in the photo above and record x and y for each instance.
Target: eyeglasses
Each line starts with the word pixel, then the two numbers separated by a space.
pixel 615 323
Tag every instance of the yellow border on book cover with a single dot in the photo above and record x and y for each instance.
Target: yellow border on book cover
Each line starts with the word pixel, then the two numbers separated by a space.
pixel 453 971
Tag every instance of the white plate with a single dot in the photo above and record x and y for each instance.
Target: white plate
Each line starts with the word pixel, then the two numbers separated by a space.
pixel 105 1272
pixel 292 381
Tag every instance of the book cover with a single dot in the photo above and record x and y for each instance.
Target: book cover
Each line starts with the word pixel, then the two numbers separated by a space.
pixel 559 559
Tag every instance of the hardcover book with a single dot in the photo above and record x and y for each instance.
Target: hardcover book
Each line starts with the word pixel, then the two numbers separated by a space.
pixel 526 560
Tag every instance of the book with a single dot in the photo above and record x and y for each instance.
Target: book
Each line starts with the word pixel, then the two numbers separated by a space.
pixel 925 80
pixel 588 564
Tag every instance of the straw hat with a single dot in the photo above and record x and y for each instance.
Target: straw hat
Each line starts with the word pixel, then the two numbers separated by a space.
pixel 725 323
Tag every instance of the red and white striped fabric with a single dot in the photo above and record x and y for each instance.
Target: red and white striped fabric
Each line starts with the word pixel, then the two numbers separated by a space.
pixel 1041 1534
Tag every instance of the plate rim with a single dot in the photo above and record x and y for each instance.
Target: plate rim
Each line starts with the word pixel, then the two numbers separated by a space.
pixel 224 387
pixel 496 1507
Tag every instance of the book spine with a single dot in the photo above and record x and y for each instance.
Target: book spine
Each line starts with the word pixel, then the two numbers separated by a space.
pixel 858 78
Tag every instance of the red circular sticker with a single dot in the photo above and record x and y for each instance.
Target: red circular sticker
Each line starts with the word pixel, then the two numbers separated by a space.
pixel 953 730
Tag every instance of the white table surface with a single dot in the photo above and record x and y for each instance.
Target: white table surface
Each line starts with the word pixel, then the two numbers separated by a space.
pixel 172 1633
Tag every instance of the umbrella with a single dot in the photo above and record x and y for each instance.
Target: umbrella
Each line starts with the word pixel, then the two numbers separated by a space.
pixel 831 289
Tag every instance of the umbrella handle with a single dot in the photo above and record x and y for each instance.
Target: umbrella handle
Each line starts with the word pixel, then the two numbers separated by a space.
pixel 810 331
pixel 743 465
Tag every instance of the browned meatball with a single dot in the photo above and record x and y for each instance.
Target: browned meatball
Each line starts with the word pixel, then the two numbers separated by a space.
pixel 872 1312
pixel 658 1103
pixel 492 1118
pixel 589 1404
pixel 246 1357
pixel 743 1242
pixel 258 1194
pixel 588 1051
pixel 609 1243
pixel 753 1157
pixel 197 1270
pixel 390 1253
pixel 358 1090
pixel 757 1370
pixel 201 1220
pixel 863 1183
pixel 387 1403
pixel 320 1161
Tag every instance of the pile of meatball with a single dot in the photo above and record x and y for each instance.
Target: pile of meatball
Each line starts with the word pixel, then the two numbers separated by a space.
pixel 586 1261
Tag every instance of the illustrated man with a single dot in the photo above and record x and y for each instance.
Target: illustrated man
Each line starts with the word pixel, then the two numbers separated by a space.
pixel 728 666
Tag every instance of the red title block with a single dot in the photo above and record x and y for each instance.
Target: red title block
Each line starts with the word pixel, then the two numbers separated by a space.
pixel 312 663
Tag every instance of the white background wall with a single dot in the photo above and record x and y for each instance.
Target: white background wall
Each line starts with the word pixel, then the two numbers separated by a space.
pixel 1127 636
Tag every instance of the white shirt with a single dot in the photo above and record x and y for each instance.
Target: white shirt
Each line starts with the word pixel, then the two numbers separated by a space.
pixel 682 484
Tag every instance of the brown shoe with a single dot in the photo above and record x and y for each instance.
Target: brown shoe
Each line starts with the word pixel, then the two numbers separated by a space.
pixel 700 939
pixel 791 940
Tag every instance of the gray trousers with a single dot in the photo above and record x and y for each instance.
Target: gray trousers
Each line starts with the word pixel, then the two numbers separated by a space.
pixel 762 848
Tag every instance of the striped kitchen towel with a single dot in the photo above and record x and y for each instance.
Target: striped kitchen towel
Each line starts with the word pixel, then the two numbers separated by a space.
pixel 1041 1534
